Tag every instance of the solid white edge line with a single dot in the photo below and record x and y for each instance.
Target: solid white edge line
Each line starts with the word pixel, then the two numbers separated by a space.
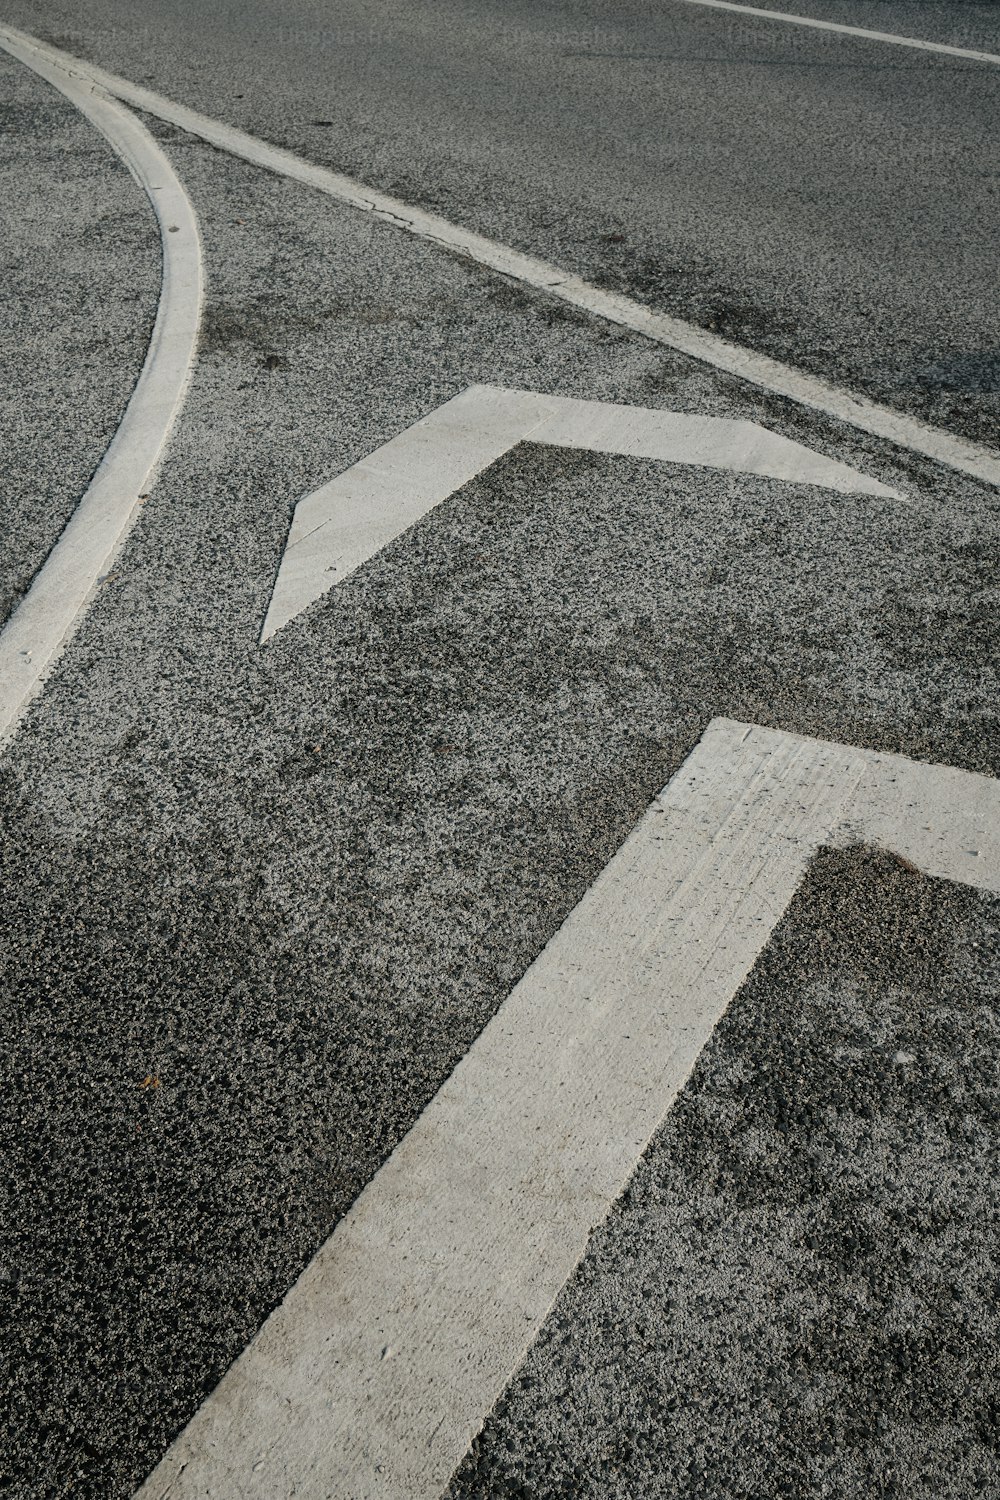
pixel 47 616
pixel 872 36
pixel 960 454
pixel 372 1378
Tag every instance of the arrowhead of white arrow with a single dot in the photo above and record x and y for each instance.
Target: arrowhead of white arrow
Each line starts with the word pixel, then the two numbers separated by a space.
pixel 344 523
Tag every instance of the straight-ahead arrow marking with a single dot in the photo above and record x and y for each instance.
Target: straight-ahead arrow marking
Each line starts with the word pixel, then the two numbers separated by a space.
pixel 344 523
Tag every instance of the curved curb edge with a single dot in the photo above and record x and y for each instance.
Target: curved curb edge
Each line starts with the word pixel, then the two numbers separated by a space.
pixel 61 591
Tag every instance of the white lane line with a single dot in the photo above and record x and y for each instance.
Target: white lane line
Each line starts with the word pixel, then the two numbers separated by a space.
pixel 371 1379
pixel 957 453
pixel 871 36
pixel 52 609
pixel 345 522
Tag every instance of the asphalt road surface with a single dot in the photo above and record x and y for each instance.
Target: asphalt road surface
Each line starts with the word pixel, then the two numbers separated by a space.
pixel 826 199
pixel 258 902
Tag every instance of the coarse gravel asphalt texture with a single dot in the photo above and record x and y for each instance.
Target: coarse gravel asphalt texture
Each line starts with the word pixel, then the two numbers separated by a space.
pixel 259 901
pixel 799 1292
pixel 831 201
pixel 79 283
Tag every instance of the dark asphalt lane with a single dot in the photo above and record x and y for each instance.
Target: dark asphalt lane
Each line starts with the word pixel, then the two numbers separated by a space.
pixel 798 1294
pixel 257 903
pixel 831 201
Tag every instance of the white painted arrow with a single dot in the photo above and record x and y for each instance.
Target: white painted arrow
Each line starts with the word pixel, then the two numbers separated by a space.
pixel 344 523
pixel 372 1378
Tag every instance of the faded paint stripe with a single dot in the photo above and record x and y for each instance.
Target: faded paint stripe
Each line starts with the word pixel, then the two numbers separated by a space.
pixel 890 37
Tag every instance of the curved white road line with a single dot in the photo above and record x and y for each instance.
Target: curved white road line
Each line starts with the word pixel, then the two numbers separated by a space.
pixel 49 613
pixel 872 36
pixel 961 454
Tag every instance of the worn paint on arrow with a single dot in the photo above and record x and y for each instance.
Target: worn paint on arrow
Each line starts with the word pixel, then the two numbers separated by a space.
pixel 372 1378
pixel 344 523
